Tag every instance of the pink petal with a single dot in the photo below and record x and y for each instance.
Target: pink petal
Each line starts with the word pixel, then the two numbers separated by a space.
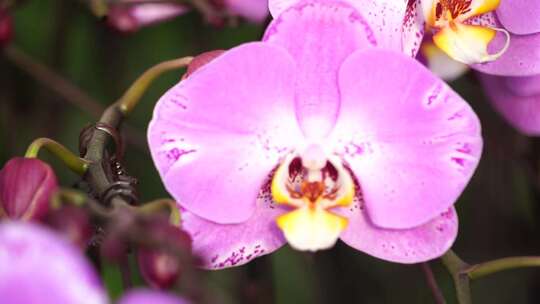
pixel 522 58
pixel 412 29
pixel 148 296
pixel 411 141
pixel 39 266
pixel 215 136
pixel 414 245
pixel 394 22
pixel 253 10
pixel 319 35
pixel 517 99
pixel 520 17
pixel 221 246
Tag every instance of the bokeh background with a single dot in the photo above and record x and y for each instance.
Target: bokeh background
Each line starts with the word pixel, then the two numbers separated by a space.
pixel 499 212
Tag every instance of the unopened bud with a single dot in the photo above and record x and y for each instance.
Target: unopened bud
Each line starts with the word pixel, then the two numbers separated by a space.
pixel 161 268
pixel 26 185
pixel 74 223
pixel 201 60
pixel 6 28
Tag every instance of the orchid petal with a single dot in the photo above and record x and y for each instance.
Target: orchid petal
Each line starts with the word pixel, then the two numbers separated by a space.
pixel 413 29
pixel 411 141
pixel 522 58
pixel 148 296
pixel 222 246
pixel 216 135
pixel 509 98
pixel 520 16
pixel 414 245
pixel 385 17
pixel 319 36
pixel 39 266
pixel 254 10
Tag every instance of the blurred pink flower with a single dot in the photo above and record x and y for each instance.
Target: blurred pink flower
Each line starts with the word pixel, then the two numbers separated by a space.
pixel 517 99
pixel 26 185
pixel 313 135
pixel 130 17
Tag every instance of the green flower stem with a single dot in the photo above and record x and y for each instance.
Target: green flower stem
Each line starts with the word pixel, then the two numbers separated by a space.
pixel 79 199
pixel 455 267
pixel 132 96
pixel 158 205
pixel 487 268
pixel 75 163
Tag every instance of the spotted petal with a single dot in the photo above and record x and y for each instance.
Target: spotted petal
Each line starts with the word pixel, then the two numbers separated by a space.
pixel 216 135
pixel 221 246
pixel 414 245
pixel 411 141
pixel 517 99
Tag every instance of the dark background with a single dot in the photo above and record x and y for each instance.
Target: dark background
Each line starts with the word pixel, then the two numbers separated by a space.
pixel 499 212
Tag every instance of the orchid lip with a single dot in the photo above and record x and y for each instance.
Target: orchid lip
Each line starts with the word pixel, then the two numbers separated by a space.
pixel 311 182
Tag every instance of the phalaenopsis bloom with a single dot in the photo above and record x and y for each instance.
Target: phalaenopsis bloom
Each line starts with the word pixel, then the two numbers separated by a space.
pixel 325 130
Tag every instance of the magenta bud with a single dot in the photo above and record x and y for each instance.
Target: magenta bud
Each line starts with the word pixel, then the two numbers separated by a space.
pixel 73 223
pixel 160 268
pixel 26 185
pixel 6 28
pixel 201 60
pixel 128 18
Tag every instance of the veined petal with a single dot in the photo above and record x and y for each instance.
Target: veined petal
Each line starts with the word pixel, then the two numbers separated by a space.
pixel 469 43
pixel 520 16
pixel 217 135
pixel 413 28
pixel 414 245
pixel 319 36
pixel 521 111
pixel 411 141
pixel 311 229
pixel 227 245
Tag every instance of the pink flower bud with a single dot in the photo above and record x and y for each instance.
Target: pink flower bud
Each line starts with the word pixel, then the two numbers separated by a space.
pixel 6 28
pixel 129 18
pixel 26 185
pixel 160 268
pixel 201 60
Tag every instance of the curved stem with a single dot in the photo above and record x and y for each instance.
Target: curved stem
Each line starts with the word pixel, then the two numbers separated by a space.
pixel 75 163
pixel 455 267
pixel 487 268
pixel 432 283
pixel 78 199
pixel 132 96
pixel 158 205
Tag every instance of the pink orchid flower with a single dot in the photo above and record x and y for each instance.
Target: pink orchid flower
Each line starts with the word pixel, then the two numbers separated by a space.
pixel 129 17
pixel 322 131
pixel 517 99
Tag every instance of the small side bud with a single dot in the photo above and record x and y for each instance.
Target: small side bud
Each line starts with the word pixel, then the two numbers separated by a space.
pixel 6 28
pixel 201 60
pixel 160 267
pixel 26 185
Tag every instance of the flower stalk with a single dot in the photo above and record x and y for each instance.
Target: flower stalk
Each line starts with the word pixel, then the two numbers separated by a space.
pixel 131 97
pixel 483 269
pixel 158 205
pixel 73 162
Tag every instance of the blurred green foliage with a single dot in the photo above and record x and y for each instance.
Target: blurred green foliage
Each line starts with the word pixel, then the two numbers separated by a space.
pixel 499 211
